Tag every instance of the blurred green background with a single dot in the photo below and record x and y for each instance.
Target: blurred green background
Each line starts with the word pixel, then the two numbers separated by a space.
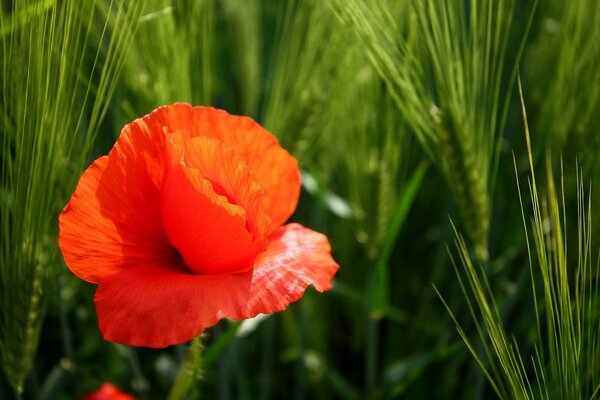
pixel 405 118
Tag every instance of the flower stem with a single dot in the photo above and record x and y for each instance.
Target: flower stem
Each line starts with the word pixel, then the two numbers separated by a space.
pixel 189 371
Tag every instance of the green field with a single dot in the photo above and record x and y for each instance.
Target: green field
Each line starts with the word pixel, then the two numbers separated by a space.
pixel 449 150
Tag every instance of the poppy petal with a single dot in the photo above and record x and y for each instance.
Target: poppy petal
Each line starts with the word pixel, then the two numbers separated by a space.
pixel 110 222
pixel 229 175
pixel 273 167
pixel 154 306
pixel 294 258
pixel 108 391
pixel 113 218
pixel 206 229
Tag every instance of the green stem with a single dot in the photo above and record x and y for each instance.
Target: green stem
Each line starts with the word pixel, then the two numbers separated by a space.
pixel 372 355
pixel 189 370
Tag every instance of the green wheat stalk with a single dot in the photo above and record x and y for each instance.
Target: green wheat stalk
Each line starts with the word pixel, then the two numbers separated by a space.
pixel 565 301
pixel 51 111
pixel 172 57
pixel 302 69
pixel 564 60
pixel 444 63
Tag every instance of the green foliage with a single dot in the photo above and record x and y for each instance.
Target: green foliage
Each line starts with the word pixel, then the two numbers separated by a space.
pixel 401 114
pixel 302 73
pixel 444 65
pixel 565 56
pixel 50 113
pixel 564 299
pixel 182 68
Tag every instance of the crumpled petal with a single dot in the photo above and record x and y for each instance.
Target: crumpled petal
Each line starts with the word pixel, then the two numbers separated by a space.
pixel 208 232
pixel 294 258
pixel 155 306
pixel 273 167
pixel 229 176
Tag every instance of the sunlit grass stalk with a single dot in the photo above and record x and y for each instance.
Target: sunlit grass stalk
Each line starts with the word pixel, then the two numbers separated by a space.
pixel 51 111
pixel 564 363
pixel 244 22
pixel 189 371
pixel 444 63
pixel 302 70
pixel 566 85
pixel 173 56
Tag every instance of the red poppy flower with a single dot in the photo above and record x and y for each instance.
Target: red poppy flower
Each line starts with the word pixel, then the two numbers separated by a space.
pixel 181 226
pixel 108 391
